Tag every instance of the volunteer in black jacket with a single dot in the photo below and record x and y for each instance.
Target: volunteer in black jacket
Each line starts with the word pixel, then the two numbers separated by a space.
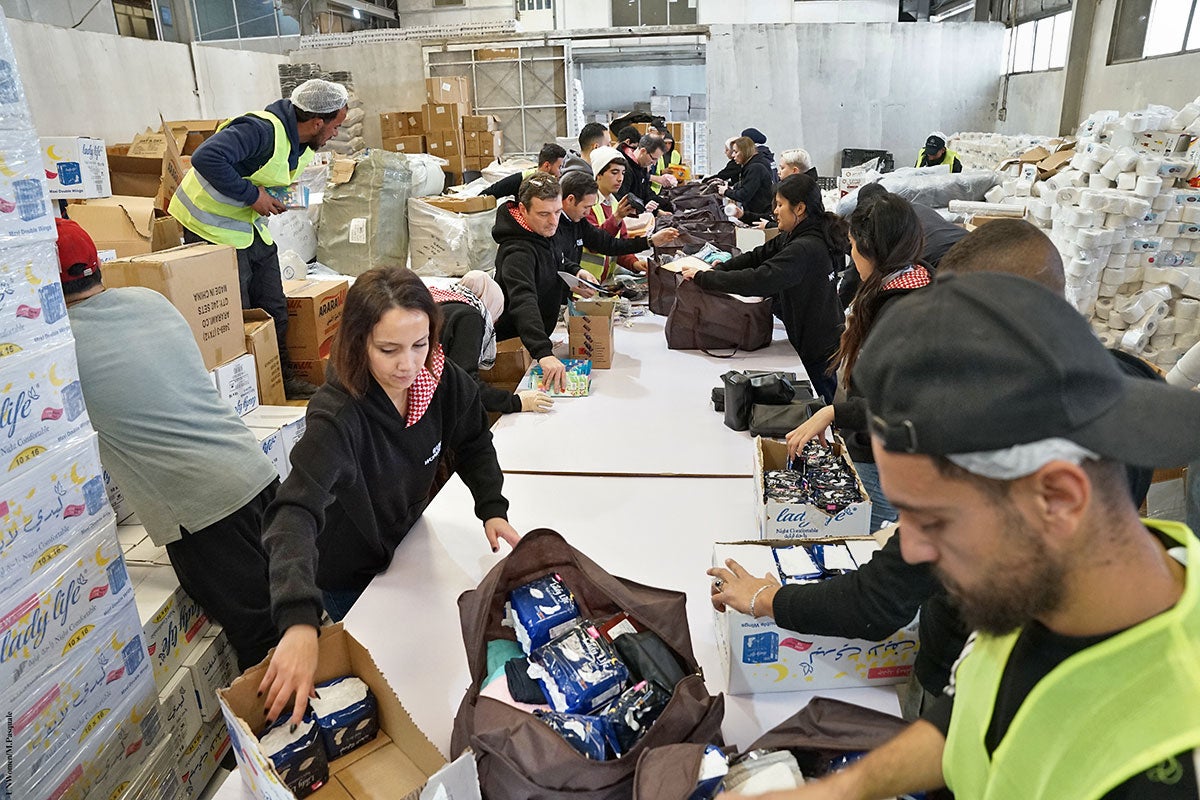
pixel 885 243
pixel 637 168
pixel 580 193
pixel 753 189
pixel 885 594
pixel 799 265
pixel 361 474
pixel 527 265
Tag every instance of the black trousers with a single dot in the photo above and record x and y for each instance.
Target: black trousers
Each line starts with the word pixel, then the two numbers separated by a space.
pixel 261 284
pixel 224 568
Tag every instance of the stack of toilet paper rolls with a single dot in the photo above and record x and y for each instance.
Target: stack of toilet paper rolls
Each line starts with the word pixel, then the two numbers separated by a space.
pixel 1127 224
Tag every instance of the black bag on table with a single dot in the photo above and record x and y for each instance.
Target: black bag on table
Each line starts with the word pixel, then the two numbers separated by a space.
pixel 704 320
pixel 776 421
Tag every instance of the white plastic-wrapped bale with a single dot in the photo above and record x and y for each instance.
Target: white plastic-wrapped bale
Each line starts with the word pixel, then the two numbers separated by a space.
pixel 448 243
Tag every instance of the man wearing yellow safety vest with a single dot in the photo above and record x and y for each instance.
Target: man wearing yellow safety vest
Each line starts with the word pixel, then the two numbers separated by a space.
pixel 999 424
pixel 935 154
pixel 660 174
pixel 233 185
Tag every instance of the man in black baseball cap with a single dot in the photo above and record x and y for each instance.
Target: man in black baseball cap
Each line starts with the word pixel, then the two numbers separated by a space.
pixel 999 426
pixel 935 154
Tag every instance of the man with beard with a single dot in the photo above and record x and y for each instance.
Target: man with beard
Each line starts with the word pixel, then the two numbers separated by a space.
pixel 1001 446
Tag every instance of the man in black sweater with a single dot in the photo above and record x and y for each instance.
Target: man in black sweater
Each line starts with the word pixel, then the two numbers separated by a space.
pixel 637 166
pixel 579 193
pixel 886 593
pixel 527 265
pixel 550 161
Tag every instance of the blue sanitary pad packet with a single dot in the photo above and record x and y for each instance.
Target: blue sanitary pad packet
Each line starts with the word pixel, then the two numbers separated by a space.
pixel 299 756
pixel 541 610
pixel 588 735
pixel 346 715
pixel 579 671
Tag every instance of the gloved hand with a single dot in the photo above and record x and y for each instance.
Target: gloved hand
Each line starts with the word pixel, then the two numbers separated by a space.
pixel 535 400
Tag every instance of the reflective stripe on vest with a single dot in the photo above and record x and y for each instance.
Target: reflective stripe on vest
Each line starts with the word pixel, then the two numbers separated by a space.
pixel 220 219
pixel 1101 717
pixel 595 260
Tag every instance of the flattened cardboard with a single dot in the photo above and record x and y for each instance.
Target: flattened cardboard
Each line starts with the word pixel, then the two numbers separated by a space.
pixel 462 205
pixel 397 764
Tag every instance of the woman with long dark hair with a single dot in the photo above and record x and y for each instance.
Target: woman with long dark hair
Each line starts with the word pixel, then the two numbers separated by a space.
pixel 800 265
pixel 885 245
pixel 362 472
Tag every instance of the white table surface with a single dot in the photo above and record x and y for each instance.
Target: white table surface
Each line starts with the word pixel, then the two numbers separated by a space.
pixel 657 531
pixel 650 414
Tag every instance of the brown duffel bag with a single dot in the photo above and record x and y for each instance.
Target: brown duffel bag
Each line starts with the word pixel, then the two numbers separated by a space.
pixel 661 284
pixel 704 320
pixel 518 755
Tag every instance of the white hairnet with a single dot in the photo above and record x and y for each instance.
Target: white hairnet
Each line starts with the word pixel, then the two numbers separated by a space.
pixel 320 97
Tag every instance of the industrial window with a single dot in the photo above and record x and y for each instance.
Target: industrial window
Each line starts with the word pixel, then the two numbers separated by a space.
pixel 1037 45
pixel 437 3
pixel 135 18
pixel 535 5
pixel 242 19
pixel 1149 28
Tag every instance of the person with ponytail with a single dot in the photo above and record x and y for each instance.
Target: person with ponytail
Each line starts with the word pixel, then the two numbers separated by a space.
pixel 800 265
pixel 885 245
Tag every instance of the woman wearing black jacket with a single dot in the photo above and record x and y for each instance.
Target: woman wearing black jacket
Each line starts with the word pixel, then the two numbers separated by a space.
pixel 799 265
pixel 885 243
pixel 753 189
pixel 362 472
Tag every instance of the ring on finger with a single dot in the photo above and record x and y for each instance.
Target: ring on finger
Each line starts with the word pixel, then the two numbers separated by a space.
pixel 718 584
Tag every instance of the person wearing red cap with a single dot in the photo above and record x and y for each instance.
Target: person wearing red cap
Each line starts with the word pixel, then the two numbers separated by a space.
pixel 192 470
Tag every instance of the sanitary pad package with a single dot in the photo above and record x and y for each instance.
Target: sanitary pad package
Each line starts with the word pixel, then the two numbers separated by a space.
pixel 588 735
pixel 632 714
pixel 541 610
pixel 298 755
pixel 579 671
pixel 346 715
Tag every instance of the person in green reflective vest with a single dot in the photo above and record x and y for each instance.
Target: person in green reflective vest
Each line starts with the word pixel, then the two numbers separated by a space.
pixel 660 174
pixel 935 154
pixel 237 180
pixel 1000 424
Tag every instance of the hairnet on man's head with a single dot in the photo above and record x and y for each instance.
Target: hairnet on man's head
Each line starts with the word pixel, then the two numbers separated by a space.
pixel 320 97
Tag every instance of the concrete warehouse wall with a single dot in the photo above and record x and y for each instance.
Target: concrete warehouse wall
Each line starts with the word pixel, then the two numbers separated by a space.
pixel 608 87
pixel 89 15
pixel 825 87
pixel 98 84
pixel 387 77
pixel 1035 103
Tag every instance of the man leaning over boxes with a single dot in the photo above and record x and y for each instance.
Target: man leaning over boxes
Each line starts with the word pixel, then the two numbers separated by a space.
pixel 1002 449
pixel 226 194
pixel 192 470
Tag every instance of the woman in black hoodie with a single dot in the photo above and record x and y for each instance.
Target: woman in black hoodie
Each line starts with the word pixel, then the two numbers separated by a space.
pixel 885 243
pixel 799 265
pixel 362 472
pixel 753 189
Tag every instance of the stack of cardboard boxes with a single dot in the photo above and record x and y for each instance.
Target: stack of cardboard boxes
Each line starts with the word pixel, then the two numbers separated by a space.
pixel 445 127
pixel 314 314
pixel 75 679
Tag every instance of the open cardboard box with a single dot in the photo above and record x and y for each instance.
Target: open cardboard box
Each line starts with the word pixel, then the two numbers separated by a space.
pixel 512 362
pixel 590 330
pixel 131 226
pixel 801 520
pixel 462 205
pixel 396 765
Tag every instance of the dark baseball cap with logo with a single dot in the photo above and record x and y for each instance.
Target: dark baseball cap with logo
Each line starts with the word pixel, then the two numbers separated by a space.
pixel 986 361
pixel 934 143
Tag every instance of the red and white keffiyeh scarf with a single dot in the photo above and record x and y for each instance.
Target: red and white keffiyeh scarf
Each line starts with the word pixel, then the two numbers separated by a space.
pixel 420 394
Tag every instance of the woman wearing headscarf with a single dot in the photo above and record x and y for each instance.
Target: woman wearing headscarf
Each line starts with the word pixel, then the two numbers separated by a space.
pixel 470 309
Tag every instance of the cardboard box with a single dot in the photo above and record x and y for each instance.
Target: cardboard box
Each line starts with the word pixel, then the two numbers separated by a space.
pixel 201 758
pixel 590 331
pixel 201 281
pixel 262 343
pixel 450 89
pixel 405 144
pixel 271 441
pixel 213 666
pixel 475 163
pixel 444 116
pixel 457 166
pixel 391 125
pixel 76 166
pixel 132 175
pixel 173 624
pixel 445 143
pixel 131 226
pixel 154 780
pixel 462 205
pixel 314 314
pixel 759 656
pixel 412 123
pixel 481 122
pixel 400 758
pixel 33 312
pixel 289 420
pixel 180 710
pixel 471 143
pixel 42 406
pixel 312 370
pixel 237 383
pixel 57 500
pixel 512 362
pixel 491 146
pixel 798 520
pixel 74 589
pixel 116 498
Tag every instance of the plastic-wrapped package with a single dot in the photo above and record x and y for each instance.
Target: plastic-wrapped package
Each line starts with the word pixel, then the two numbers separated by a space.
pixel 632 714
pixel 25 211
pixel 293 230
pixel 428 179
pixel 541 610
pixel 502 169
pixel 449 243
pixel 579 671
pixel 297 754
pixel 14 111
pixel 364 221
pixel 930 187
pixel 346 714
pixel 588 735
pixel 347 147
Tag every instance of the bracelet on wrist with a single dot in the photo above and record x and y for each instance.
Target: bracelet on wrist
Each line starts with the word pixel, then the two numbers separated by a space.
pixel 754 597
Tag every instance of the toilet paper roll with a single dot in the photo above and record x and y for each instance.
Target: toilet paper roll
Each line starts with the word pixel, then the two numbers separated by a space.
pixel 1193 129
pixel 1114 275
pixel 1137 207
pixel 1111 170
pixel 1107 339
pixel 1098 181
pixel 1108 236
pixel 995 194
pixel 1040 188
pixel 1164 202
pixel 1077 217
pixel 1134 341
pixel 1123 246
pixel 1189 213
pixel 1091 199
pixel 1186 341
pixel 1187 308
pixel 1145 351
pixel 1116 323
pixel 1009 187
pixel 1148 186
pixel 1134 122
pixel 1117 261
pixel 1116 221
pixel 1135 272
pixel 1126 158
pixel 1114 203
pixel 1162 340
pixel 1126 181
pixel 1024 188
pixel 1186 116
pixel 1067 196
pixel 1148 166
pixel 1078 267
pixel 1041 211
pixel 1109 291
pixel 1150 304
pixel 1166 325
pixel 1090 238
pixel 1105 305
pixel 1077 177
